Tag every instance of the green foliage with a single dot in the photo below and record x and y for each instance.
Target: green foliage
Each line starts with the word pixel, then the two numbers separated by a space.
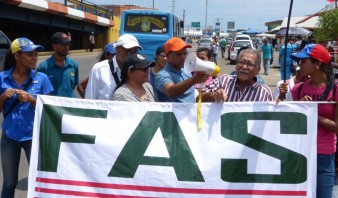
pixel 328 26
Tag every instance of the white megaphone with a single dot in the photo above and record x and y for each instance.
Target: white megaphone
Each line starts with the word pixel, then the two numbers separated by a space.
pixel 193 63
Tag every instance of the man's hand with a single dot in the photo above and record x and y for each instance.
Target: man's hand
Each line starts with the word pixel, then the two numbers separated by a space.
pixel 219 95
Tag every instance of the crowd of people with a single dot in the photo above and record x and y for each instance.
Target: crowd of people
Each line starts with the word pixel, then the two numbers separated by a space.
pixel 122 74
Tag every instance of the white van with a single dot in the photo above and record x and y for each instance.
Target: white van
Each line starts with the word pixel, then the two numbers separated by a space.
pixel 242 37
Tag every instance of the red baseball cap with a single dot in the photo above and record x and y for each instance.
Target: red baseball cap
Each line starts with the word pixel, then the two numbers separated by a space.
pixel 314 51
pixel 175 44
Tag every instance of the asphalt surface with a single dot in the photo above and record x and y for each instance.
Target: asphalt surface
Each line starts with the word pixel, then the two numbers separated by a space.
pixel 86 61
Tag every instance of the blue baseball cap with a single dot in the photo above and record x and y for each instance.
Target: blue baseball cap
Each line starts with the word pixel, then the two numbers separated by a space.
pixel 24 45
pixel 110 48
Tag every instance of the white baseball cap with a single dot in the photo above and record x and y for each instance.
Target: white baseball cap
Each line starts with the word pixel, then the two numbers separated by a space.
pixel 127 41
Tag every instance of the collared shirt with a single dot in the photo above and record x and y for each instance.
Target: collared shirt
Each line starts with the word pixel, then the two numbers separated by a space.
pixel 169 74
pixel 18 124
pixel 255 92
pixel 267 50
pixel 101 83
pixel 64 79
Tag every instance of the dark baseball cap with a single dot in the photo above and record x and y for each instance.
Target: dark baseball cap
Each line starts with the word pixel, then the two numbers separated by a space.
pixel 135 61
pixel 60 38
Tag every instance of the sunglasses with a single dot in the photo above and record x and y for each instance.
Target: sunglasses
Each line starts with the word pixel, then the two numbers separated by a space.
pixel 141 69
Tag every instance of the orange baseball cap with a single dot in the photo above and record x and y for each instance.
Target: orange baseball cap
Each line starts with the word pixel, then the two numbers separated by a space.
pixel 175 44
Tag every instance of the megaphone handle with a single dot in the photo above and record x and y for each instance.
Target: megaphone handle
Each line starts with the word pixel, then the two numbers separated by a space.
pixel 199 111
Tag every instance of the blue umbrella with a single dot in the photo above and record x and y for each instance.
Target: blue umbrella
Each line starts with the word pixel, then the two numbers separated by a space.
pixel 251 32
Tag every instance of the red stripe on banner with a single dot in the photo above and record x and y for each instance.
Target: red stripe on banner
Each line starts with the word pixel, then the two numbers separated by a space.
pixel 81 194
pixel 171 190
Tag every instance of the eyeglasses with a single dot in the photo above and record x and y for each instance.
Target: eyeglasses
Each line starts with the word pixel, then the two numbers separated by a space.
pixel 146 69
pixel 249 64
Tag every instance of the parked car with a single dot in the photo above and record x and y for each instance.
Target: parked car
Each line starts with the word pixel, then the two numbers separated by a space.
pixel 5 44
pixel 204 42
pixel 229 41
pixel 242 37
pixel 236 46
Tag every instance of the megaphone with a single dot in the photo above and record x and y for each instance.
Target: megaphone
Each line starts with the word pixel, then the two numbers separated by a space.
pixel 193 63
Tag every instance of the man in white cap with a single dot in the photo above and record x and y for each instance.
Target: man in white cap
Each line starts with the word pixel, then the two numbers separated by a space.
pixel 106 75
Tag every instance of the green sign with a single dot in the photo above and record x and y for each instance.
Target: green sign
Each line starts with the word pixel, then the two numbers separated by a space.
pixel 195 24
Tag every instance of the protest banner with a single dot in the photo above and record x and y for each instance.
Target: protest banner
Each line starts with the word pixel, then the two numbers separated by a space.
pixel 88 148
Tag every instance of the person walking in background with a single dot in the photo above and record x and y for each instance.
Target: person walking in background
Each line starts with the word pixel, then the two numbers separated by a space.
pixel 19 86
pixel 61 70
pixel 223 44
pixel 106 75
pixel 214 46
pixel 172 84
pixel 160 62
pixel 285 67
pixel 134 76
pixel 69 36
pixel 91 42
pixel 315 61
pixel 108 53
pixel 267 51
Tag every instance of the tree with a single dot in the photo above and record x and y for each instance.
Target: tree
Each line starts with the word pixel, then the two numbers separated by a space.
pixel 328 26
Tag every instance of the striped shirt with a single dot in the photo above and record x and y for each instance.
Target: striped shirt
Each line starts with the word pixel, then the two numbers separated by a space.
pixel 123 93
pixel 254 92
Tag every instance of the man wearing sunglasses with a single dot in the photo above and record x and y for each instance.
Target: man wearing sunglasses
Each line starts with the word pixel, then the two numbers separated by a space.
pixel 106 75
pixel 172 84
pixel 241 87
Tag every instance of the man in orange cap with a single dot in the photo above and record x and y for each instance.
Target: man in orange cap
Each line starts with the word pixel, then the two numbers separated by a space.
pixel 172 84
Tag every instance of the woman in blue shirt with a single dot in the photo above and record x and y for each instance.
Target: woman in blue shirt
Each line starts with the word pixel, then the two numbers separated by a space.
pixel 19 86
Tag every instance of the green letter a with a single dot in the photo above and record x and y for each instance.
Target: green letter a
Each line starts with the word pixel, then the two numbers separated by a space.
pixel 180 155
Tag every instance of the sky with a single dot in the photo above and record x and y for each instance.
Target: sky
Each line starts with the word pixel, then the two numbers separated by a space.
pixel 251 14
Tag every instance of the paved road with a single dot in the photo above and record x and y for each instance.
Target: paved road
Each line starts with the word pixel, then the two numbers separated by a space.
pixel 86 61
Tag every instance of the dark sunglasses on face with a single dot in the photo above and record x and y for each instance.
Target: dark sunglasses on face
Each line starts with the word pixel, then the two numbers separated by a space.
pixel 141 69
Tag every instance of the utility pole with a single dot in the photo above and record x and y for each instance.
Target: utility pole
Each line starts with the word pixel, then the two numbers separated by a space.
pixel 153 5
pixel 218 26
pixel 184 22
pixel 173 6
pixel 206 15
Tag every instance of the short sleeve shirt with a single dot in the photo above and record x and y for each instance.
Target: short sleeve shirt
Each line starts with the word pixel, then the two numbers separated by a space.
pixel 64 80
pixel 18 124
pixel 169 74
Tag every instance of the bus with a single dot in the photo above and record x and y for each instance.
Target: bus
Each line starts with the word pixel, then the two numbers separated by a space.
pixel 152 28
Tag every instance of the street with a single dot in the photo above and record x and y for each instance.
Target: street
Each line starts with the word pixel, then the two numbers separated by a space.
pixel 86 61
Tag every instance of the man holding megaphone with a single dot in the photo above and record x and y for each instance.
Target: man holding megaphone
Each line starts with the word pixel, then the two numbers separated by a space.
pixel 172 83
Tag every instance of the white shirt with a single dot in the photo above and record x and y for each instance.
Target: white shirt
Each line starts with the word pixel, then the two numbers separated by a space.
pixel 101 83
pixel 291 84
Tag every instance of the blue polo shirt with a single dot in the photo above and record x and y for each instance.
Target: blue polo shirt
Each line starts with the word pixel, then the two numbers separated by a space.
pixel 64 80
pixel 267 49
pixel 169 74
pixel 18 124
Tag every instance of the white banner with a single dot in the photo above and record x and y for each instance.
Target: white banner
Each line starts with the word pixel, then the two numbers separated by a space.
pixel 87 148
